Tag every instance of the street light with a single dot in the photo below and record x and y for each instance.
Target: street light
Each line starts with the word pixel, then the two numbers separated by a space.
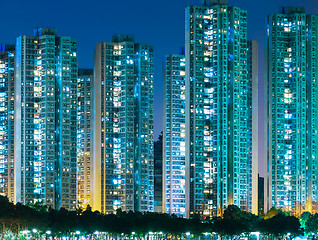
pixel 25 232
pixel 256 234
pixel 48 233
pixel 36 232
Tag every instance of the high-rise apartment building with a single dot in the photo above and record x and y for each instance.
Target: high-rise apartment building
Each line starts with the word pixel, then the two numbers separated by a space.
pixel 7 56
pixel 84 83
pixel 217 110
pixel 252 126
pixel 174 165
pixel 45 119
pixel 292 125
pixel 122 126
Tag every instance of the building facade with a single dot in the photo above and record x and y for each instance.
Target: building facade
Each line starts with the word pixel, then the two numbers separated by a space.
pixel 84 82
pixel 260 196
pixel 45 119
pixel 174 166
pixel 122 132
pixel 217 110
pixel 252 125
pixel 291 109
pixel 7 57
pixel 158 157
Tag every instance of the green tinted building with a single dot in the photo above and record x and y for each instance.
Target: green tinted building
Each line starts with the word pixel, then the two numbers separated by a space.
pixel 217 110
pixel 7 58
pixel 122 126
pixel 45 119
pixel 174 165
pixel 292 123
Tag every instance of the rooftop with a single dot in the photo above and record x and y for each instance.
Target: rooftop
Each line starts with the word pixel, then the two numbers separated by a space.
pixel 214 2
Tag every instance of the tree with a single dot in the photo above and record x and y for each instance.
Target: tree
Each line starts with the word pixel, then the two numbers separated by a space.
pixel 235 222
pixel 303 219
pixel 271 213
pixel 280 225
pixel 311 225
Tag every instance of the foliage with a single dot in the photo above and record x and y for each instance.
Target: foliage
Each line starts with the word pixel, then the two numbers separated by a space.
pixel 280 225
pixel 271 213
pixel 235 222
pixel 303 219
pixel 311 225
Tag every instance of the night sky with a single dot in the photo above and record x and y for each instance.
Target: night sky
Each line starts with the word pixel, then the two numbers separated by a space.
pixel 160 23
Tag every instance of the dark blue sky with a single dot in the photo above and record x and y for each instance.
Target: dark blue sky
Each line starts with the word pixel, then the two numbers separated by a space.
pixel 160 23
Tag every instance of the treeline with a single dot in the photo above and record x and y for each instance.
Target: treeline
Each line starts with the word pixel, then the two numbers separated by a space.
pixel 16 218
